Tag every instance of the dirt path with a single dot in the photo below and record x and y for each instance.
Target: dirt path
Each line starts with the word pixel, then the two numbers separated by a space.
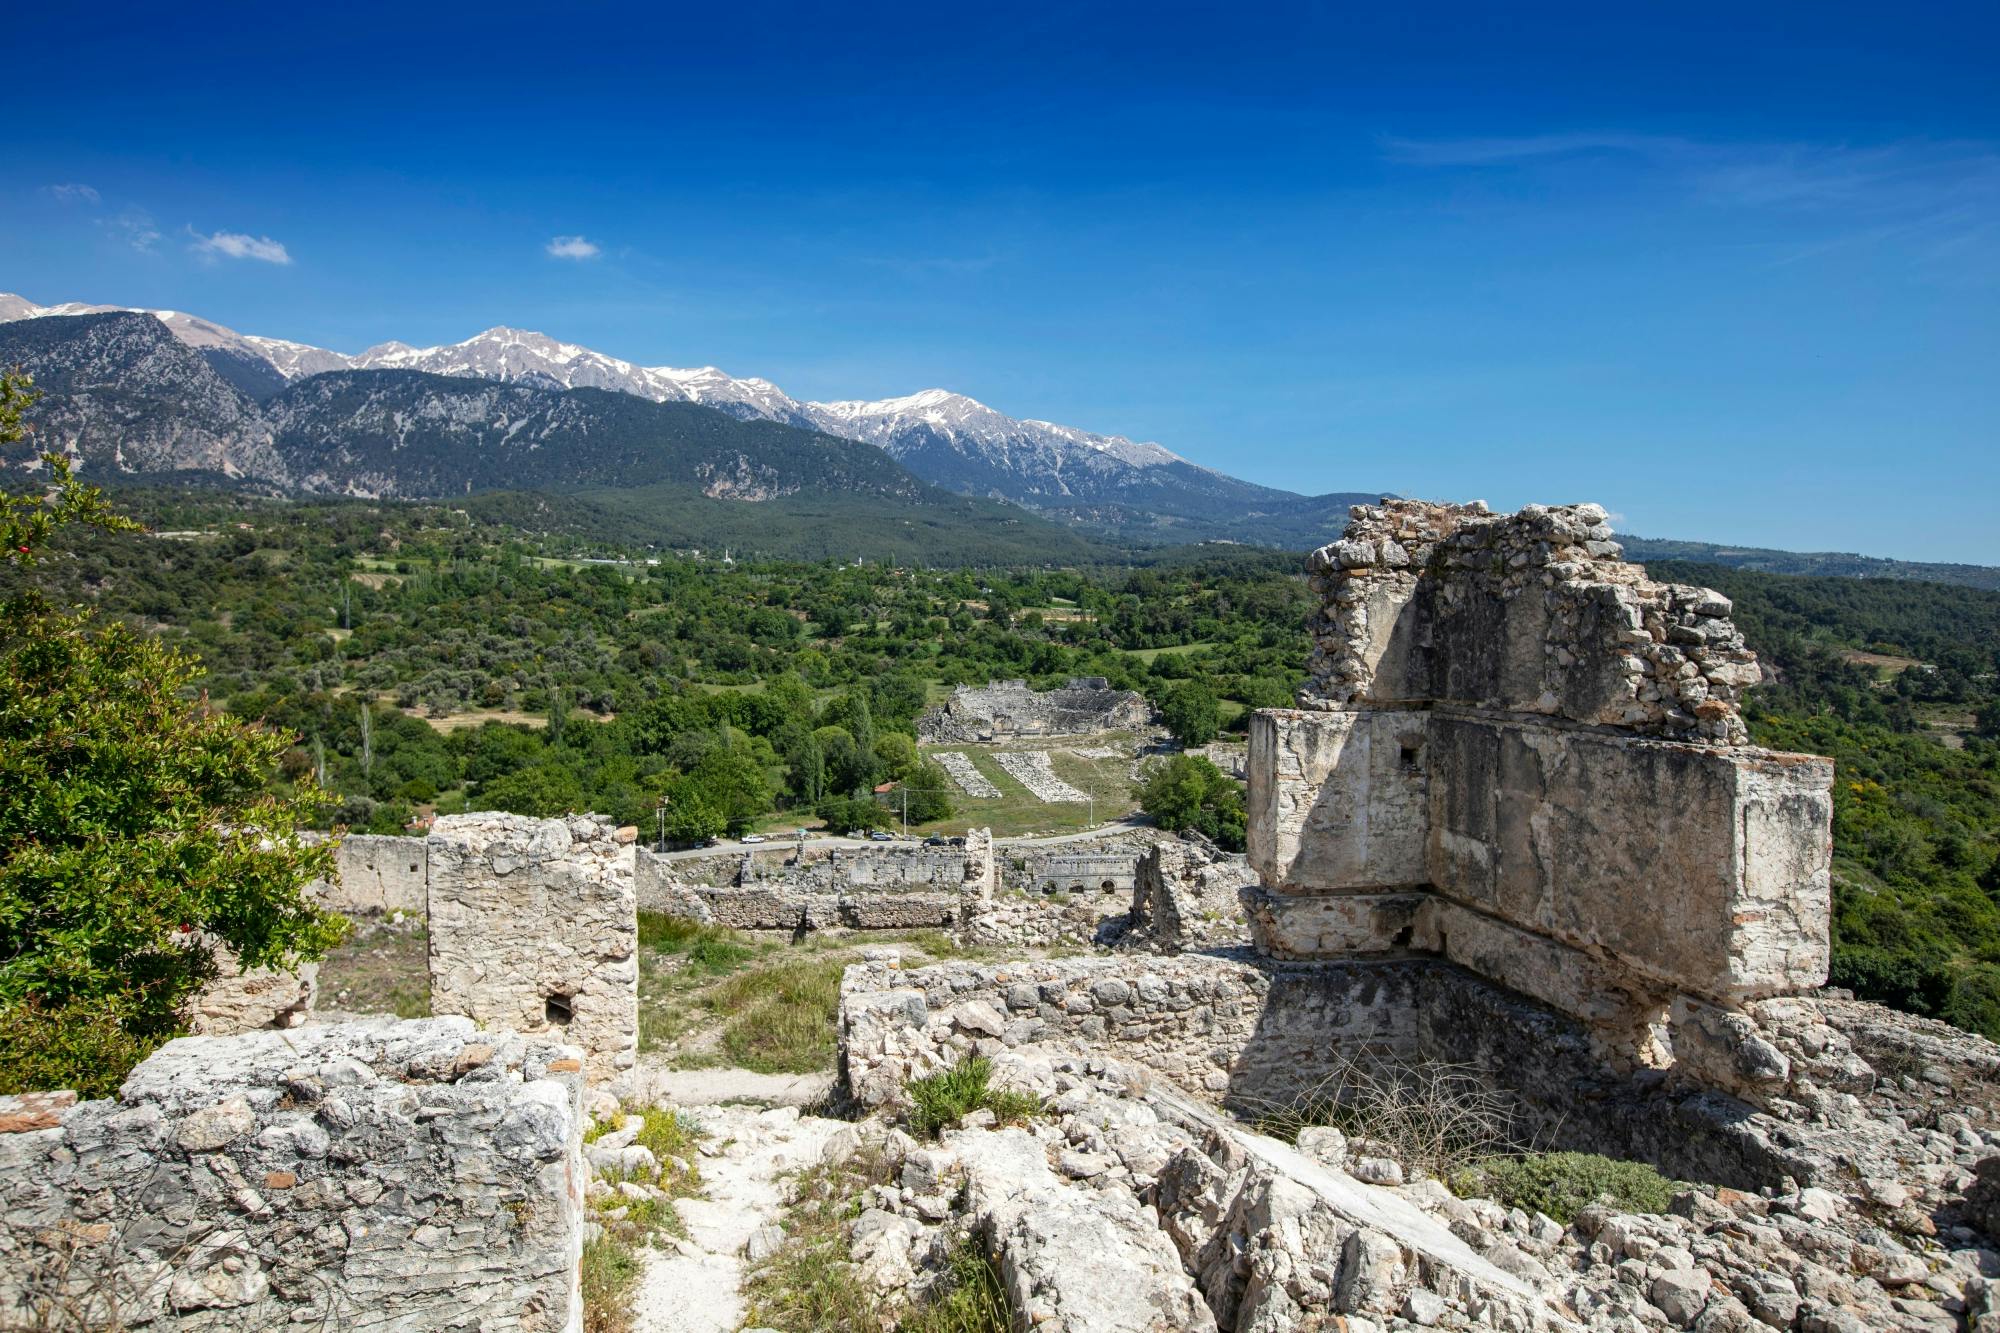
pixel 715 1087
pixel 696 1286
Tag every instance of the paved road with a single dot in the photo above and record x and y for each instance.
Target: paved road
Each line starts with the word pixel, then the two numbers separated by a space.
pixel 780 843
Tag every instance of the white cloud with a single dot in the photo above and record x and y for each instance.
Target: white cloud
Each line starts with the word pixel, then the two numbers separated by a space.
pixel 134 226
pixel 72 192
pixel 237 245
pixel 572 247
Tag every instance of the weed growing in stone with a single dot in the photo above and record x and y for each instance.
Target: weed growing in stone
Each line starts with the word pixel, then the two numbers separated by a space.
pixel 939 1100
pixel 608 1273
pixel 1433 1117
pixel 967 1297
pixel 811 1286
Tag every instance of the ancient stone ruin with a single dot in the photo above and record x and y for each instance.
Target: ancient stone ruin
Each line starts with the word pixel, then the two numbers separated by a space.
pixel 1008 708
pixel 1512 833
pixel 1522 755
pixel 384 1174
pixel 533 927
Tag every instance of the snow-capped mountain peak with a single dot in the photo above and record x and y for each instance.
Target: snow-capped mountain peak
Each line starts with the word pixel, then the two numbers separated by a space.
pixel 945 437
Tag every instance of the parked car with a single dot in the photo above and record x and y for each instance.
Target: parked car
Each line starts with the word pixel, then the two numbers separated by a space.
pixel 879 836
pixel 754 837
pixel 935 840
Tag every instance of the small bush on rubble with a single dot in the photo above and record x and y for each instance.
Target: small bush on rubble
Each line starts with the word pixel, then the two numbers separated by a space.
pixel 1563 1184
pixel 941 1099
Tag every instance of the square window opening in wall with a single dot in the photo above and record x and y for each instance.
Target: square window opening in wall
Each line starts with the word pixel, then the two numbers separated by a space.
pixel 1413 754
pixel 557 1010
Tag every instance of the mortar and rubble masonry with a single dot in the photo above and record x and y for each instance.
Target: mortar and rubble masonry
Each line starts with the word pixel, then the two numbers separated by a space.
pixel 400 1175
pixel 1519 753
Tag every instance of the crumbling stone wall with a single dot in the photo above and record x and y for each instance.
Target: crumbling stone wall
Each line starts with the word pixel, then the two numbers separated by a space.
pixel 1188 895
pixel 1521 754
pixel 379 1174
pixel 1535 612
pixel 534 927
pixel 1084 705
pixel 262 997
pixel 378 874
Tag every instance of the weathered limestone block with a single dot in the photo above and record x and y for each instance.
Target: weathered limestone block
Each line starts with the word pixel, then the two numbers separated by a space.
pixel 378 874
pixel 981 864
pixel 534 927
pixel 1072 1257
pixel 1533 613
pixel 390 1175
pixel 1333 925
pixel 1337 800
pixel 1187 894
pixel 1701 869
pixel 263 997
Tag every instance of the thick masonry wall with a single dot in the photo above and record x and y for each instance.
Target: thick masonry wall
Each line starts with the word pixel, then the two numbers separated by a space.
pixel 411 1176
pixel 377 874
pixel 1259 1036
pixel 534 927
pixel 1519 753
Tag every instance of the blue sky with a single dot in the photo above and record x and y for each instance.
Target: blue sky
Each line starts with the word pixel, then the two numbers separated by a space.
pixel 1731 270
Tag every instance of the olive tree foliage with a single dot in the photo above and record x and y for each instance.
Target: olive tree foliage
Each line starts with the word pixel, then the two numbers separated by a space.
pixel 1187 791
pixel 136 832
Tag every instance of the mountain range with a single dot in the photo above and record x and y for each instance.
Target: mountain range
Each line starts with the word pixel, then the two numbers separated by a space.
pixel 1104 483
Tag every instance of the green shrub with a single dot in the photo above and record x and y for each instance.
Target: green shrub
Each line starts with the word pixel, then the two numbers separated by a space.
pixel 1562 1184
pixel 969 1298
pixel 80 1047
pixel 942 1099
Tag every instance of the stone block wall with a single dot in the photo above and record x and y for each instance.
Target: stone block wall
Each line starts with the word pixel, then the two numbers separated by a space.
pixel 1188 895
pixel 888 888
pixel 1520 754
pixel 379 874
pixel 262 997
pixel 383 1174
pixel 1535 613
pixel 534 927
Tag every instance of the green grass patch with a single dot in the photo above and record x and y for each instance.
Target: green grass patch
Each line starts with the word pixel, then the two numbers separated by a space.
pixel 711 951
pixel 1176 650
pixel 1562 1184
pixel 782 1018
pixel 939 1100
pixel 968 1299
pixel 609 1272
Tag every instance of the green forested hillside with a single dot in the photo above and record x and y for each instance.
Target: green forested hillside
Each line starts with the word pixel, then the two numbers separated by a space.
pixel 541 673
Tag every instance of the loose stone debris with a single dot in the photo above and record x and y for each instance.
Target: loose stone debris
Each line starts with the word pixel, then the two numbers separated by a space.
pixel 1031 769
pixel 959 767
